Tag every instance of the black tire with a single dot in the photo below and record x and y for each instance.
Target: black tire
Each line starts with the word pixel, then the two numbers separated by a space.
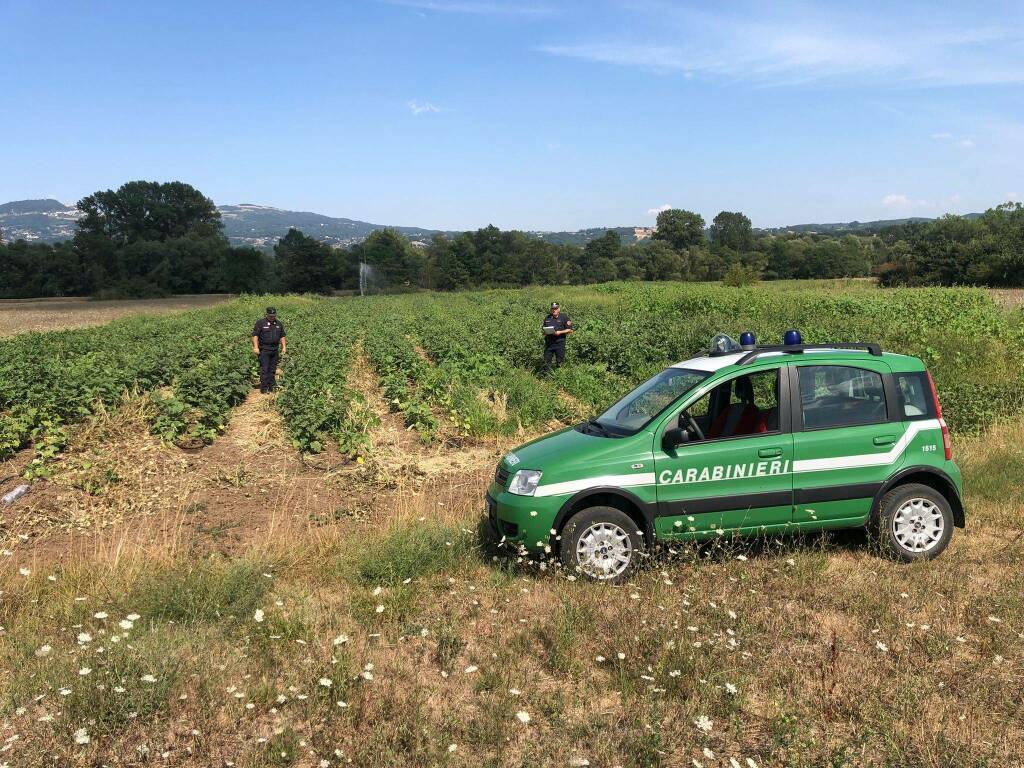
pixel 610 529
pixel 905 507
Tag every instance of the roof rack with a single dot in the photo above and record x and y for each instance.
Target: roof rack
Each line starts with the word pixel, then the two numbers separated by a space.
pixel 795 349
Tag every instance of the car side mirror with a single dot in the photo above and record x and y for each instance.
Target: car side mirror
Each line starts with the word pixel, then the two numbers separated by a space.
pixel 673 437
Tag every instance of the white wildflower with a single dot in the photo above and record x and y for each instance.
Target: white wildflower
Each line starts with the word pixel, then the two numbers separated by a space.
pixel 326 682
pixel 258 616
pixel 81 736
pixel 523 716
pixel 704 723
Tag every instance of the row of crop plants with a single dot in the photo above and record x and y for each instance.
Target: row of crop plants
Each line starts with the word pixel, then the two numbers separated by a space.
pixel 196 364
pixel 627 331
pixel 516 399
pixel 316 403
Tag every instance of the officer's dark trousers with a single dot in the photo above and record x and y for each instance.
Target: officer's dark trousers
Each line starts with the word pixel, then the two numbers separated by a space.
pixel 554 356
pixel 268 368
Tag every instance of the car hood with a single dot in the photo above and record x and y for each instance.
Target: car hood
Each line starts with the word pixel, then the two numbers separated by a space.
pixel 570 455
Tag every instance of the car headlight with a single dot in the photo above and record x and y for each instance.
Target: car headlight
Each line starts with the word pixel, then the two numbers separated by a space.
pixel 525 482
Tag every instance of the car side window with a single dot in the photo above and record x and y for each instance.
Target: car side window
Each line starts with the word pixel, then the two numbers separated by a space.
pixel 744 405
pixel 915 396
pixel 840 396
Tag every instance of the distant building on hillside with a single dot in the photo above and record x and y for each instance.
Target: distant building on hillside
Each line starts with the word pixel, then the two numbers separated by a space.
pixel 643 233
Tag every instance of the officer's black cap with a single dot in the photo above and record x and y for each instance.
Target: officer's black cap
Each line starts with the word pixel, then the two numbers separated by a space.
pixel 271 311
pixel 554 305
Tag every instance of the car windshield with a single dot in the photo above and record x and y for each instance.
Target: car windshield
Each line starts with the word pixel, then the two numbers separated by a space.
pixel 636 410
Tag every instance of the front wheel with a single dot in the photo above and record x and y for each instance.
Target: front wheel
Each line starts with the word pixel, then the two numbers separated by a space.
pixel 915 523
pixel 601 543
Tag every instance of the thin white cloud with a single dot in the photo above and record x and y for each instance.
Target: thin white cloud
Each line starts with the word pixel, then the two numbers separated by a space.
pixel 905 204
pixel 964 142
pixel 659 209
pixel 901 202
pixel 476 7
pixel 421 107
pixel 794 46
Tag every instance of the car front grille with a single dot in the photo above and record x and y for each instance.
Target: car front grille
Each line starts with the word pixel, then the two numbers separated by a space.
pixel 501 476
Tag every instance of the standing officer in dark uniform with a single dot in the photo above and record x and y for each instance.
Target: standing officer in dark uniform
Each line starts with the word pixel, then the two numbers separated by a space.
pixel 556 327
pixel 267 336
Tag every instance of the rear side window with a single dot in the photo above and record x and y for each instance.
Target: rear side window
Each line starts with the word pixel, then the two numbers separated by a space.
pixel 840 396
pixel 915 396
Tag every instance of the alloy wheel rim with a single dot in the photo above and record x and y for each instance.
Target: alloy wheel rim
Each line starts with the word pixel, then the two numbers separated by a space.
pixel 604 551
pixel 918 525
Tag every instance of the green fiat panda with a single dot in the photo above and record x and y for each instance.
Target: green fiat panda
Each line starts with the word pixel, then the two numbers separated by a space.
pixel 745 440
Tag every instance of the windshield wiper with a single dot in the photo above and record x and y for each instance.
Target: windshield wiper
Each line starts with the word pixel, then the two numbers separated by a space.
pixel 600 426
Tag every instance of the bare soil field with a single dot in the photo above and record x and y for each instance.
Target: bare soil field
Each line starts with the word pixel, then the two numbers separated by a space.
pixel 20 315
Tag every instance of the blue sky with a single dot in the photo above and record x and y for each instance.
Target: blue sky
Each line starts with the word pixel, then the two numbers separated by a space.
pixel 535 114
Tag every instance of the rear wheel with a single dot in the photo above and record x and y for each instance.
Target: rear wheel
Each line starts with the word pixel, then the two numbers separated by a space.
pixel 601 543
pixel 915 522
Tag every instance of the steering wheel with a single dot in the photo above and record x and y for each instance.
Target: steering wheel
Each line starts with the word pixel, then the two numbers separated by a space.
pixel 691 424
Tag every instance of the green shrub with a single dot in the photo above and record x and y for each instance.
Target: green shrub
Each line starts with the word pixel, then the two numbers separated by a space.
pixel 194 593
pixel 413 552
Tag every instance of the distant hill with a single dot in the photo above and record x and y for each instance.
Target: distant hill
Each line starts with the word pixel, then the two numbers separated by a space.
pixel 852 227
pixel 583 236
pixel 45 221
pixel 260 226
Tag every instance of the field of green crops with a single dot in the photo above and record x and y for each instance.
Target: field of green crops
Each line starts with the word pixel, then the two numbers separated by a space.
pixel 185 584
pixel 469 363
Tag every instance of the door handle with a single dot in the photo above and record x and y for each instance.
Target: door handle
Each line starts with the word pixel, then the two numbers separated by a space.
pixel 767 453
pixel 884 440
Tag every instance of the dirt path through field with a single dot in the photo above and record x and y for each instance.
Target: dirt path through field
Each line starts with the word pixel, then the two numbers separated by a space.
pixel 117 487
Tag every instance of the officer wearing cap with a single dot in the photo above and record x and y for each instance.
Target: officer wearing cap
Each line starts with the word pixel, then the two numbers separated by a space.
pixel 556 327
pixel 267 339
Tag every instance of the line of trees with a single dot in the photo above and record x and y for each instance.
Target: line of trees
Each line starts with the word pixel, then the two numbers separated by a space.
pixel 955 250
pixel 144 239
pixel 151 239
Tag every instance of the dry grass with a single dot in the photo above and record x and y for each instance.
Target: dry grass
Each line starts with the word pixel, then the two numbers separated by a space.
pixel 1011 298
pixel 20 315
pixel 384 641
